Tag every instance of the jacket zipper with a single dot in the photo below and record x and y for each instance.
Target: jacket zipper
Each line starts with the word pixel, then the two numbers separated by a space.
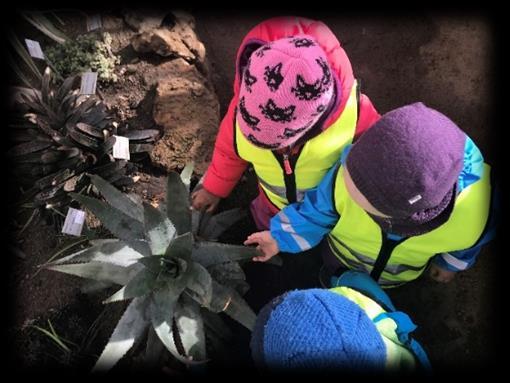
pixel 387 247
pixel 288 163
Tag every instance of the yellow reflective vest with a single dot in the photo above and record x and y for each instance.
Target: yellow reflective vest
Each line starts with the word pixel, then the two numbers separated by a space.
pixel 357 240
pixel 398 357
pixel 283 186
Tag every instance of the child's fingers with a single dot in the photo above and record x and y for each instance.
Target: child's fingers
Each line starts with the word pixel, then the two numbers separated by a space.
pixel 253 237
pixel 261 258
pixel 251 240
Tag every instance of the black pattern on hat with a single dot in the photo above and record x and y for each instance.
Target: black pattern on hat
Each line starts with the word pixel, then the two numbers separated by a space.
pixel 273 76
pixel 326 73
pixel 302 42
pixel 249 79
pixel 276 114
pixel 250 120
pixel 260 52
pixel 256 142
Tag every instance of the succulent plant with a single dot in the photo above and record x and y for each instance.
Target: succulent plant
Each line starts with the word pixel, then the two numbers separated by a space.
pixel 83 54
pixel 170 265
pixel 59 134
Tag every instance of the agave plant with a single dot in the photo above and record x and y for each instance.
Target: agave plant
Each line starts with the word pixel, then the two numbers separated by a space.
pixel 59 134
pixel 170 265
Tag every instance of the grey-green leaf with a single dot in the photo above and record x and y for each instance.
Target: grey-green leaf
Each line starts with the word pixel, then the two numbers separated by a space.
pixel 219 223
pixel 141 284
pixel 181 247
pixel 186 174
pixel 100 271
pixel 130 327
pixel 200 282
pixel 153 350
pixel 162 309
pixel 211 253
pixel 229 301
pixel 121 225
pixel 230 274
pixel 191 329
pixel 158 229
pixel 111 251
pixel 213 322
pixel 177 202
pixel 117 199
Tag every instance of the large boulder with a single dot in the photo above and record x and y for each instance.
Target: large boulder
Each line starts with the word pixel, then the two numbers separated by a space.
pixel 187 109
pixel 176 38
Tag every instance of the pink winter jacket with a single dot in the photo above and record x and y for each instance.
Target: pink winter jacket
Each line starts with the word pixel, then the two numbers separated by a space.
pixel 227 167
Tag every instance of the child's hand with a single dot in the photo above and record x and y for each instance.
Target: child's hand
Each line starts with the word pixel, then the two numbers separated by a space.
pixel 441 275
pixel 204 200
pixel 266 245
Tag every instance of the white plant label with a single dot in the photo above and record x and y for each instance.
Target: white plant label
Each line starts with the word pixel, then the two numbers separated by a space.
pixel 94 22
pixel 73 225
pixel 88 83
pixel 121 148
pixel 34 48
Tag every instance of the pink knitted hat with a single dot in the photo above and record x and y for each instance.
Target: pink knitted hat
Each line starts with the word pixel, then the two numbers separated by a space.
pixel 287 85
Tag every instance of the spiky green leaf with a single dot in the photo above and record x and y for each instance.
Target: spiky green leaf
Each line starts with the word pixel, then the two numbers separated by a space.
pixel 181 247
pixel 129 328
pixel 186 174
pixel 191 329
pixel 110 251
pixel 158 229
pixel 225 299
pixel 219 223
pixel 121 225
pixel 177 202
pixel 211 253
pixel 141 284
pixel 100 271
pixel 214 323
pixel 162 309
pixel 117 199
pixel 201 283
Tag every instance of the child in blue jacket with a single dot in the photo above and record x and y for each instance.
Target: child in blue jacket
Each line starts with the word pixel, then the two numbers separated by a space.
pixel 413 189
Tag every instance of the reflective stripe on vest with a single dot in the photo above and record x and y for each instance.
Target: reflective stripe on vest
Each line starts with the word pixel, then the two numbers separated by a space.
pixel 317 156
pixel 398 357
pixel 357 239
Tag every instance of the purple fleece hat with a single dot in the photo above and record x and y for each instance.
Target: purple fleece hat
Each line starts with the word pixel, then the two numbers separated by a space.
pixel 286 87
pixel 407 164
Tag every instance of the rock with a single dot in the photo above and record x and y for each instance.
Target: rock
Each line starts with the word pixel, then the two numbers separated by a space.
pixel 143 20
pixel 131 68
pixel 184 18
pixel 190 39
pixel 188 111
pixel 163 42
pixel 175 68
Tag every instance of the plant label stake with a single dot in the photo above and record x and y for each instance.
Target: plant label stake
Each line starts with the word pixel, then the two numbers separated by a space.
pixel 94 22
pixel 88 83
pixel 73 224
pixel 34 48
pixel 121 148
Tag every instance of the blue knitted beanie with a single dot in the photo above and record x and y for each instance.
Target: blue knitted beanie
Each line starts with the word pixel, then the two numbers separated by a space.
pixel 316 329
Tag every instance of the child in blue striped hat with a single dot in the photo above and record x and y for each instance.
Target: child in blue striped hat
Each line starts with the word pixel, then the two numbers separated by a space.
pixel 352 327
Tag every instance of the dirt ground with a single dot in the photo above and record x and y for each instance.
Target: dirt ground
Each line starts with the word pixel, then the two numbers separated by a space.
pixel 444 62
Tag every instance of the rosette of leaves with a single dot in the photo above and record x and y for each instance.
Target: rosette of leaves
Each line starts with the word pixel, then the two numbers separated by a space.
pixel 83 54
pixel 59 135
pixel 169 263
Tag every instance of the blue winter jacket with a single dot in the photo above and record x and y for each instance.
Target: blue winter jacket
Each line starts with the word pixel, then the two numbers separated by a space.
pixel 301 226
